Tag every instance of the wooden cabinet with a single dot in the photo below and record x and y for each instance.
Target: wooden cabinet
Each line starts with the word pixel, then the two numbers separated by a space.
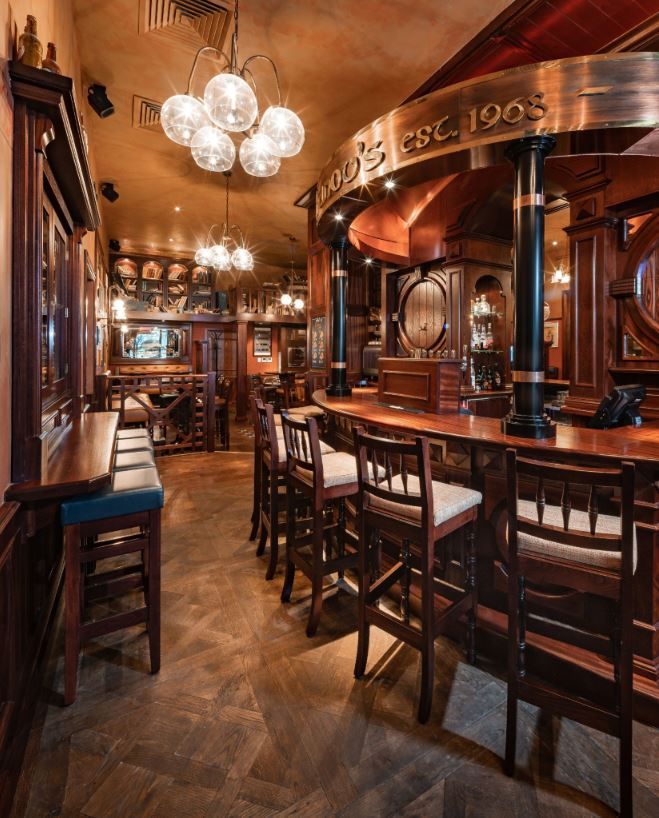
pixel 429 384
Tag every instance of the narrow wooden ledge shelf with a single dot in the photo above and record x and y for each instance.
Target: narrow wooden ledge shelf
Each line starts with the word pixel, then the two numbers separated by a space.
pixel 81 463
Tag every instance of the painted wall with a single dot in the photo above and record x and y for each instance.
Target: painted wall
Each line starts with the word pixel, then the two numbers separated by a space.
pixel 55 23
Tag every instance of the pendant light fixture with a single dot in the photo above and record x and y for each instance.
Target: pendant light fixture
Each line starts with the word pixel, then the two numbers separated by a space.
pixel 230 105
pixel 229 253
pixel 286 299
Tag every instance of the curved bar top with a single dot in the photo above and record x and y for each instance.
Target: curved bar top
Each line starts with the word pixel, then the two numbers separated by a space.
pixel 81 463
pixel 640 445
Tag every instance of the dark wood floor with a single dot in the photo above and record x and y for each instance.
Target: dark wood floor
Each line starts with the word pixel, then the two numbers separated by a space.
pixel 248 717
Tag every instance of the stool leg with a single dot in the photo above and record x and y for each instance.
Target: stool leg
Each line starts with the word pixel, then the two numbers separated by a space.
pixel 363 577
pixel 265 478
pixel 626 691
pixel 72 611
pixel 472 584
pixel 274 526
pixel 317 574
pixel 153 584
pixel 427 632
pixel 511 710
pixel 290 544
pixel 256 504
pixel 341 534
pixel 226 428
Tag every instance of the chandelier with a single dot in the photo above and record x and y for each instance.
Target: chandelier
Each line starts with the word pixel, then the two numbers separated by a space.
pixel 228 253
pixel 560 276
pixel 230 105
pixel 286 299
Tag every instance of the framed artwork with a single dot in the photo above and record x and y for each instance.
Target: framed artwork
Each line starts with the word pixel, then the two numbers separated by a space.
pixel 318 341
pixel 552 333
pixel 263 342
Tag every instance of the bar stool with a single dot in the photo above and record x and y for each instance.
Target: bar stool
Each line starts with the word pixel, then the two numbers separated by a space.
pixel 130 434
pixel 317 478
pixel 419 511
pixel 556 545
pixel 255 519
pixel 133 500
pixel 222 401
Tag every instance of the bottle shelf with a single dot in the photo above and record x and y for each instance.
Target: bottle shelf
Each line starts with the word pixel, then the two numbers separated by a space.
pixel 489 351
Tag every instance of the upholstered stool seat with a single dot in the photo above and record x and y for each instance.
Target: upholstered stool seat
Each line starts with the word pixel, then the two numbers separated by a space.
pixel 325 448
pixel 309 411
pixel 134 444
pixel 129 434
pixel 579 521
pixel 339 469
pixel 448 500
pixel 129 509
pixel 134 409
pixel 134 460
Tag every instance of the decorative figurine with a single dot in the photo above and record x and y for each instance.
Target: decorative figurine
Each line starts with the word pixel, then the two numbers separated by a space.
pixel 30 50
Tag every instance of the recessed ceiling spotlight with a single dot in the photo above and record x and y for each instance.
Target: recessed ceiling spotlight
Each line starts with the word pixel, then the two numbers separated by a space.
pixel 177 209
pixel 368 260
pixel 390 184
pixel 171 239
pixel 338 217
pixel 554 243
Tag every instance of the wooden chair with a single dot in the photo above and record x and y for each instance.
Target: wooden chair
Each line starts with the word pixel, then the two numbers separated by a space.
pixel 273 478
pixel 556 545
pixel 222 401
pixel 419 512
pixel 256 501
pixel 292 398
pixel 318 479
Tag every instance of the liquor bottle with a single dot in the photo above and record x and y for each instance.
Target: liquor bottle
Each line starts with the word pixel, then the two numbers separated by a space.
pixel 50 63
pixel 472 374
pixel 30 50
pixel 474 336
pixel 490 378
pixel 484 306
pixel 482 339
pixel 489 337
pixel 497 378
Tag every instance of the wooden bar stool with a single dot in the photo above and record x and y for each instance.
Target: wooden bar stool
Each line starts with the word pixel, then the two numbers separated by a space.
pixel 133 500
pixel 256 500
pixel 222 402
pixel 591 553
pixel 422 512
pixel 320 479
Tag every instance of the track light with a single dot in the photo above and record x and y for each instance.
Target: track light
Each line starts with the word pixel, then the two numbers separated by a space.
pixel 115 246
pixel 99 101
pixel 107 190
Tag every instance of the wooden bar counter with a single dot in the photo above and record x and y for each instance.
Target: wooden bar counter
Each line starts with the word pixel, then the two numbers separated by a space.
pixel 471 450
pixel 81 463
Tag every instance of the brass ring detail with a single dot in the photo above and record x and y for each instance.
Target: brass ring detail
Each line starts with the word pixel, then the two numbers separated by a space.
pixel 339 274
pixel 339 365
pixel 522 376
pixel 529 200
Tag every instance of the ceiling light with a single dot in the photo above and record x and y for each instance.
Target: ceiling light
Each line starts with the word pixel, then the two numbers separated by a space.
pixel 99 101
pixel 257 156
pixel 204 257
pixel 298 304
pixel 242 259
pixel 107 190
pixel 230 103
pixel 171 239
pixel 212 149
pixel 177 209
pixel 368 260
pixel 286 299
pixel 554 243
pixel 181 116
pixel 338 217
pixel 390 184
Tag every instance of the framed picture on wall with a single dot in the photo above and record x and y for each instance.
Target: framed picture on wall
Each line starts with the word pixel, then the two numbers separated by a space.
pixel 552 333
pixel 262 342
pixel 318 342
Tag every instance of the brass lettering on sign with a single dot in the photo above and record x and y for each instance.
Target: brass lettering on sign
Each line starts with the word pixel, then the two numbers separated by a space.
pixel 365 158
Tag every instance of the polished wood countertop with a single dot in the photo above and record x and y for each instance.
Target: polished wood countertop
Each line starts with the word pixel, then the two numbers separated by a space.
pixel 81 463
pixel 640 445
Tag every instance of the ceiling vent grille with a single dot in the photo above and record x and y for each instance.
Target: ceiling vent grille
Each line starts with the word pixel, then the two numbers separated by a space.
pixel 191 22
pixel 146 113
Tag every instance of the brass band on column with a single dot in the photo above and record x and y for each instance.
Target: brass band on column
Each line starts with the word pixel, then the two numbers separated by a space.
pixel 338 384
pixel 527 417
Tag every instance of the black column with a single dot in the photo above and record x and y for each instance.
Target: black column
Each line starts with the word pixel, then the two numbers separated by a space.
pixel 527 417
pixel 338 289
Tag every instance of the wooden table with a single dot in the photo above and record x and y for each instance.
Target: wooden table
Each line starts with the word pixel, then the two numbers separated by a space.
pixel 471 450
pixel 81 463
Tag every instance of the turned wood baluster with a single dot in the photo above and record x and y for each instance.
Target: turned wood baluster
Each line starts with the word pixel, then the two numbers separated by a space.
pixel 593 509
pixel 540 499
pixel 471 585
pixel 405 584
pixel 521 635
pixel 387 469
pixel 566 505
pixel 305 440
pixel 403 473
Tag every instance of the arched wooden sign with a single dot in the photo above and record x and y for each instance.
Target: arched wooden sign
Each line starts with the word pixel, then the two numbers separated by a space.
pixel 599 104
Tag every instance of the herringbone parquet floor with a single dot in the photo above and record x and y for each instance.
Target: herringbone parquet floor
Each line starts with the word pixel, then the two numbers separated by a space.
pixel 248 717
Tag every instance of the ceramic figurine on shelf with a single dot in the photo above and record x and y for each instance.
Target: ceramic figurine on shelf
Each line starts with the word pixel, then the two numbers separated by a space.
pixel 30 50
pixel 50 63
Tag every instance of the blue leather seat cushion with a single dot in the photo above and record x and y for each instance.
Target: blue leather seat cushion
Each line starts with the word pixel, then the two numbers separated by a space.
pixel 127 434
pixel 133 460
pixel 131 491
pixel 134 445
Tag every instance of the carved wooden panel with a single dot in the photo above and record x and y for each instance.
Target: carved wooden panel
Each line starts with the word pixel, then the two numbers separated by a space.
pixel 585 277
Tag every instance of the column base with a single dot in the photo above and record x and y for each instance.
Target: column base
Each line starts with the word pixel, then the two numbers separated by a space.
pixel 535 428
pixel 338 391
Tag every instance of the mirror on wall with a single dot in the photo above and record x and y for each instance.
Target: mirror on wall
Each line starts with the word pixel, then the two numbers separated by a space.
pixel 150 342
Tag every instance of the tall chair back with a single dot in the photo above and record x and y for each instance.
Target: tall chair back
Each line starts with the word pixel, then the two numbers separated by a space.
pixel 268 434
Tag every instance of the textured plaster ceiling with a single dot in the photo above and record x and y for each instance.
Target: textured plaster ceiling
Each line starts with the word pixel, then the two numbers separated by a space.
pixel 342 63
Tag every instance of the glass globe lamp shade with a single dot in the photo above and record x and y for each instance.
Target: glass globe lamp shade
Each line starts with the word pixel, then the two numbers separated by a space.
pixel 257 156
pixel 204 257
pixel 285 128
pixel 212 149
pixel 221 257
pixel 242 259
pixel 230 102
pixel 286 300
pixel 298 304
pixel 181 116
